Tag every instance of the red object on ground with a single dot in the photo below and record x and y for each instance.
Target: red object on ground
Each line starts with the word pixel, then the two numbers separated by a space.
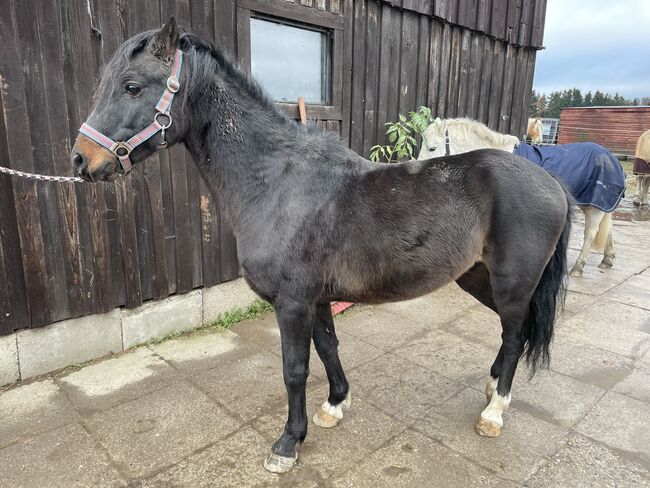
pixel 338 307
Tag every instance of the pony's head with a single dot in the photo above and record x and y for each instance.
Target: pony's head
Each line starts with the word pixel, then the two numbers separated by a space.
pixel 433 140
pixel 133 111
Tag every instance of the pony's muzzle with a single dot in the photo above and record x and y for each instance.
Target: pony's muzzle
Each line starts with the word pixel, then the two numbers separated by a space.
pixel 91 161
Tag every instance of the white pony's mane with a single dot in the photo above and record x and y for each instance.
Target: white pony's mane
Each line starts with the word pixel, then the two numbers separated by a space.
pixel 468 128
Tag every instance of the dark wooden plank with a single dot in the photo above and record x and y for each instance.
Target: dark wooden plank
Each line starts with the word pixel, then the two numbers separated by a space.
pixel 348 49
pixel 487 54
pixel 358 78
pixel 475 69
pixel 210 239
pixel 225 21
pixel 499 18
pixel 15 311
pixel 498 62
pixel 507 92
pixel 464 72
pixel 286 10
pixel 394 63
pixel 20 157
pixel 244 39
pixel 443 67
pixel 168 216
pixel 194 209
pixel 408 62
pixel 373 47
pixel 519 109
pixel 423 61
pixel 454 74
pixel 384 73
pixel 435 52
pixel 129 244
pixel 483 15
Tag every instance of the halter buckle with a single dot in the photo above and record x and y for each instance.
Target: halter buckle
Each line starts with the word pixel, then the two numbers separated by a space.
pixel 172 84
pixel 121 149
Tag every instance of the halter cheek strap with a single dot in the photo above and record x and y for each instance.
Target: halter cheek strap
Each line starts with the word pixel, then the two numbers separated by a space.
pixel 161 121
pixel 447 148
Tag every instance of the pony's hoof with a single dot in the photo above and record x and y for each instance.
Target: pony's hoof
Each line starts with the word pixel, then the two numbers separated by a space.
pixel 606 265
pixel 329 416
pixel 277 464
pixel 486 428
pixel 636 202
pixel 576 273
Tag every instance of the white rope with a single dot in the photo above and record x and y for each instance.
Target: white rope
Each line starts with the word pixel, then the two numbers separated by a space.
pixel 33 176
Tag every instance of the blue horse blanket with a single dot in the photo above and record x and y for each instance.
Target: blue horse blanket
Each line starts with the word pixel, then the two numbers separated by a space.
pixel 593 174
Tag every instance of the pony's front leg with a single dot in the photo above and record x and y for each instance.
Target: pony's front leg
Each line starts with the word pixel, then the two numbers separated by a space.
pixel 296 322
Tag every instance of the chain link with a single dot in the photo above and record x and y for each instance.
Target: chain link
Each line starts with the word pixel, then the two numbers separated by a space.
pixel 33 176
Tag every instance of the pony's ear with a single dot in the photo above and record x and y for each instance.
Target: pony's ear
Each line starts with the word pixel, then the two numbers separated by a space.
pixel 437 123
pixel 164 43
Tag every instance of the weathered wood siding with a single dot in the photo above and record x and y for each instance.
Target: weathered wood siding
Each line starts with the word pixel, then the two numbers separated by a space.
pixel 68 250
pixel 616 128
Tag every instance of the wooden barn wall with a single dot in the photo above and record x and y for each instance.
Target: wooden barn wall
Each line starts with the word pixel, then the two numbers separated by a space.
pixel 616 128
pixel 68 250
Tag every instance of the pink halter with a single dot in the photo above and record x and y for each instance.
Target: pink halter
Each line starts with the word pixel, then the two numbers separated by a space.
pixel 122 149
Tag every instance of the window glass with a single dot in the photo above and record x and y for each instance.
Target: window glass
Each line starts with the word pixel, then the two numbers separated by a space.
pixel 290 61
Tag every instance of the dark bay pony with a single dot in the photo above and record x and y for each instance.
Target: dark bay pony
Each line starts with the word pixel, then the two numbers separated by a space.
pixel 316 222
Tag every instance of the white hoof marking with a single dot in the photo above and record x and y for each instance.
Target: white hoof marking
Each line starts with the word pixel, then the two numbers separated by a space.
pixel 329 415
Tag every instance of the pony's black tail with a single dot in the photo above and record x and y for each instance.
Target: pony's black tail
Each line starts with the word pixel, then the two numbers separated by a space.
pixel 548 300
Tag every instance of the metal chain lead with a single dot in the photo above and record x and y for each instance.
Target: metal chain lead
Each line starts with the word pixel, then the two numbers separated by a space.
pixel 33 176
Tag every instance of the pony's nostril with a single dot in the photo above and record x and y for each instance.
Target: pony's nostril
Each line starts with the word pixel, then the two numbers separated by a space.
pixel 78 163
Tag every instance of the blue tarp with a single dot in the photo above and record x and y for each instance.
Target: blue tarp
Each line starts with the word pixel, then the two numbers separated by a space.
pixel 593 174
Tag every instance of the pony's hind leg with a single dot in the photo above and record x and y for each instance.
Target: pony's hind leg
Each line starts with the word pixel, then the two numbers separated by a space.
pixel 296 321
pixel 593 216
pixel 608 258
pixel 512 300
pixel 326 343
pixel 476 282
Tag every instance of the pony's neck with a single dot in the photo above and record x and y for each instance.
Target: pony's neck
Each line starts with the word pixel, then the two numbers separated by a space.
pixel 466 135
pixel 232 135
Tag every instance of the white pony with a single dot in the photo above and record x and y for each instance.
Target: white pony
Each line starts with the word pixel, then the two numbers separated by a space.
pixel 535 130
pixel 642 169
pixel 454 136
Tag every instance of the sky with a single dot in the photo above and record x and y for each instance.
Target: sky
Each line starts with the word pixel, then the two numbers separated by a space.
pixel 596 45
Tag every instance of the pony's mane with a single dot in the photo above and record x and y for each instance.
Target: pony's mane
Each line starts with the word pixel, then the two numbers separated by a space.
pixel 468 126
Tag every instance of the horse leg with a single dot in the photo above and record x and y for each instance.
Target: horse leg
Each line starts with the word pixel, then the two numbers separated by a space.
pixel 512 297
pixel 476 282
pixel 593 217
pixel 638 198
pixel 296 322
pixel 331 412
pixel 645 183
pixel 608 258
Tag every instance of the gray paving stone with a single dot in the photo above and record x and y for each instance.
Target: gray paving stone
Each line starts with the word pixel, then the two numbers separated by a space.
pixel 637 383
pixel 329 452
pixel 159 429
pixel 234 462
pixel 478 325
pixel 553 397
pixel 117 380
pixel 415 461
pixel 633 291
pixel 352 353
pixel 71 341
pixel 620 422
pixel 399 387
pixel 9 372
pixel 381 328
pixel 202 350
pixel 33 408
pixel 523 447
pixel 582 463
pixel 454 357
pixel 612 326
pixel 262 333
pixel 66 457
pixel 589 364
pixel 248 386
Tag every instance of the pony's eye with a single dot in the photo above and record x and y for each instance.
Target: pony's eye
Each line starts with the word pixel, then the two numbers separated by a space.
pixel 432 149
pixel 133 89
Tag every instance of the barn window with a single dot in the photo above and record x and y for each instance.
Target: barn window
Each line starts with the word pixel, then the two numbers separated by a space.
pixel 291 60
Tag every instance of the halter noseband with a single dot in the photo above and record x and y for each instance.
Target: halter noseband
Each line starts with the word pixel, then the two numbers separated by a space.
pixel 122 149
pixel 447 148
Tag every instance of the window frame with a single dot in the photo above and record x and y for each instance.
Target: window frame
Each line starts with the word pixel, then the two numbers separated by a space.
pixel 292 12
